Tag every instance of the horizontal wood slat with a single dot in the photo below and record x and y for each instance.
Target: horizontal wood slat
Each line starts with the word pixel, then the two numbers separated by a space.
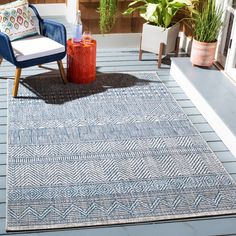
pixel 124 24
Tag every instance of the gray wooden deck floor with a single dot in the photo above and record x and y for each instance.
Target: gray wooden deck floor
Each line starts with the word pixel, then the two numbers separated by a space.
pixel 127 60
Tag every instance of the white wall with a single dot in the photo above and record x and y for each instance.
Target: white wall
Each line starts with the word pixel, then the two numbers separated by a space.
pixel 51 9
pixel 71 11
pixel 59 9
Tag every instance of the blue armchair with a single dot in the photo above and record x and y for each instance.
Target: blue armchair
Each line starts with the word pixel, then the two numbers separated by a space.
pixel 49 46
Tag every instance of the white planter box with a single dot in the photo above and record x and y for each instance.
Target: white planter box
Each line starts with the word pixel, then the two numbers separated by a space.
pixel 153 36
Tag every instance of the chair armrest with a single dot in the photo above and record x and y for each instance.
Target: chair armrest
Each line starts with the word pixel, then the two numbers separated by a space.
pixel 54 31
pixel 6 50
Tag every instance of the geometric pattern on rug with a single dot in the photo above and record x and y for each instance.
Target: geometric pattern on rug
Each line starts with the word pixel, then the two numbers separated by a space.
pixel 118 150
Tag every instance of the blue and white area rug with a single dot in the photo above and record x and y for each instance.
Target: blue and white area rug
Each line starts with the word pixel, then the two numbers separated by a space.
pixel 119 150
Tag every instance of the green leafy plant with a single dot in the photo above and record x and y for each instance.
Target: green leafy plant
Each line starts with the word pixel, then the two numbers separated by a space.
pixel 208 22
pixel 107 10
pixel 158 12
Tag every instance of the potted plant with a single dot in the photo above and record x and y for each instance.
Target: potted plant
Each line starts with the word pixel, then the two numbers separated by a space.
pixel 107 11
pixel 207 26
pixel 160 32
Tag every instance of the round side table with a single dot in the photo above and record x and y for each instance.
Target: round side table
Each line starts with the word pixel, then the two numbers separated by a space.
pixel 81 62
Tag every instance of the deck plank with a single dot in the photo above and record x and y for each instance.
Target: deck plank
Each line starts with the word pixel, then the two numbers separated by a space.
pixel 3 181
pixel 3 129
pixel 127 68
pixel 2 173
pixel 2 195
pixel 210 136
pixel 3 148
pixel 3 138
pixel 233 176
pixel 226 156
pixel 3 105
pixel 217 146
pixel 3 112
pixel 176 90
pixel 180 96
pixel 186 103
pixel 197 118
pixel 203 128
pixel 3 98
pixel 3 86
pixel 169 83
pixel 117 61
pixel 2 210
pixel 3 157
pixel 3 117
pixel 230 167
pixel 191 111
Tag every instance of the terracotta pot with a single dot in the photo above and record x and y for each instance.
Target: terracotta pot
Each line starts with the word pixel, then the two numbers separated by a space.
pixel 203 54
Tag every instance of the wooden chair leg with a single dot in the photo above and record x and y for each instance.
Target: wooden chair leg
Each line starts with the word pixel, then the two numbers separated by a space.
pixel 140 50
pixel 177 46
pixel 16 82
pixel 62 71
pixel 160 55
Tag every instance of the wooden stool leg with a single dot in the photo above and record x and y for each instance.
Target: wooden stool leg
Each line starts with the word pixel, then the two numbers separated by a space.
pixel 16 82
pixel 160 54
pixel 177 46
pixel 62 71
pixel 140 50
pixel 140 55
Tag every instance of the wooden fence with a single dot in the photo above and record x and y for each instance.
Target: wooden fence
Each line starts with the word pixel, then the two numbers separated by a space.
pixel 124 24
pixel 90 15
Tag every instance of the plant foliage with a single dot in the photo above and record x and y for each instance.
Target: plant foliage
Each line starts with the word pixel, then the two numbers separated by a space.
pixel 208 22
pixel 158 12
pixel 107 10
